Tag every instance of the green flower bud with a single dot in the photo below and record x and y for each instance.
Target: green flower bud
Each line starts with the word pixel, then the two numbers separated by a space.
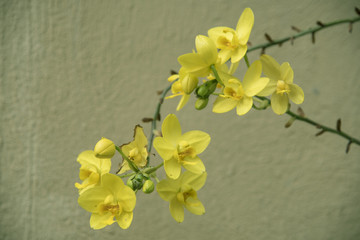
pixel 148 186
pixel 202 91
pixel 212 86
pixel 129 182
pixel 137 184
pixel 104 148
pixel 139 177
pixel 201 103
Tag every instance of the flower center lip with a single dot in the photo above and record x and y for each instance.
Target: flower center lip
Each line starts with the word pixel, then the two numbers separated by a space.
pixel 183 150
pixel 282 87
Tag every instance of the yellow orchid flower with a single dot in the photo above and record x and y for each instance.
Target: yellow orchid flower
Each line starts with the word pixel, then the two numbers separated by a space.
pixel 280 86
pixel 181 193
pixel 239 95
pixel 233 43
pixel 136 150
pixel 177 90
pixel 198 64
pixel 91 170
pixel 112 199
pixel 180 149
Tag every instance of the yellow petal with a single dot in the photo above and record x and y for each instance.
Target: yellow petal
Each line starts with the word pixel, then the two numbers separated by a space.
pixel 126 148
pixel 225 77
pixel 222 104
pixel 111 181
pixel 199 140
pixel 252 83
pixel 91 198
pixel 139 137
pixel 244 26
pixel 98 221
pixel 287 74
pixel 194 206
pixel 206 49
pixel 279 103
pixel 196 181
pixel 194 165
pixel 269 89
pixel 185 98
pixel 105 165
pixel 244 105
pixel 126 197
pixel 176 210
pixel 270 67
pixel 238 53
pixel 172 168
pixel 124 219
pixel 233 67
pixel 124 167
pixel 192 62
pixel 171 129
pixel 173 77
pixel 296 94
pixel 224 55
pixel 167 189
pixel 164 148
pixel 88 158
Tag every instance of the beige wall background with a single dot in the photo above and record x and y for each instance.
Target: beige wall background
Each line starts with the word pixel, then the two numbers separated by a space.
pixel 74 71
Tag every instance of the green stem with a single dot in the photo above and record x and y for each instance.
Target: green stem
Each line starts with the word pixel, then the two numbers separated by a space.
pixel 131 164
pixel 320 126
pixel 324 128
pixel 154 169
pixel 303 33
pixel 216 75
pixel 153 124
pixel 156 178
pixel 127 175
pixel 247 60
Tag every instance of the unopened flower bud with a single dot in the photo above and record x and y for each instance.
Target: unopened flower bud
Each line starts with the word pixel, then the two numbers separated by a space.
pixel 202 91
pixel 201 103
pixel 139 177
pixel 129 183
pixel 137 184
pixel 104 148
pixel 148 186
pixel 188 83
pixel 212 85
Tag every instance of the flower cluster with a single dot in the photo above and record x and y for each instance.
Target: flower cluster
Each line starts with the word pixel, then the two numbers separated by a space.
pixel 222 45
pixel 101 193
pixel 216 59
pixel 181 150
pixel 107 197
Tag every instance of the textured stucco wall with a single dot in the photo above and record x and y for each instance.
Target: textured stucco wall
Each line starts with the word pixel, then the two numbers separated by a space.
pixel 74 71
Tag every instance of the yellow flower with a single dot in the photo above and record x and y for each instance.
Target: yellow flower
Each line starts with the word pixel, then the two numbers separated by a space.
pixel 136 150
pixel 198 64
pixel 240 95
pixel 233 43
pixel 180 149
pixel 104 148
pixel 281 86
pixel 181 193
pixel 182 80
pixel 91 170
pixel 112 199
